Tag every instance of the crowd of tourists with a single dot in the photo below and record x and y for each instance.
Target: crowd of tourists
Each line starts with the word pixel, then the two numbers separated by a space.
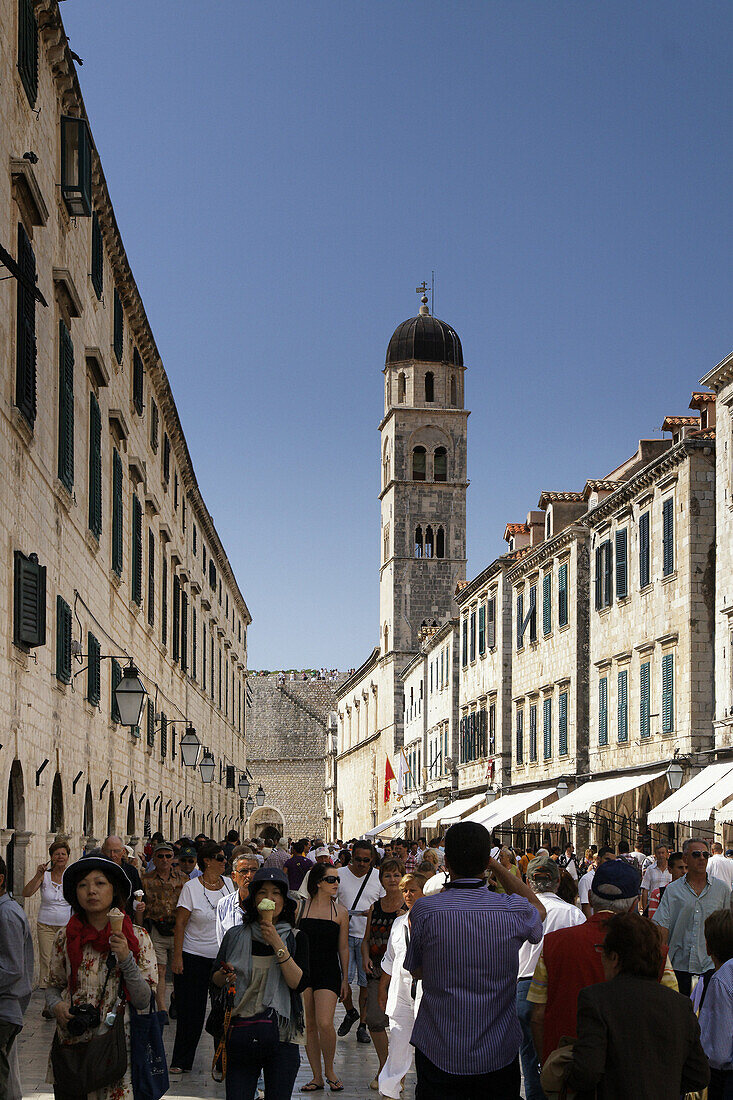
pixel 481 964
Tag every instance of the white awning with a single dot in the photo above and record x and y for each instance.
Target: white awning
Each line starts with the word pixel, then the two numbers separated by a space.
pixel 396 819
pixel 586 795
pixel 414 815
pixel 453 811
pixel 696 799
pixel 508 806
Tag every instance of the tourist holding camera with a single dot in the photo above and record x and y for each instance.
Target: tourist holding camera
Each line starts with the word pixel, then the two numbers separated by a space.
pixel 94 970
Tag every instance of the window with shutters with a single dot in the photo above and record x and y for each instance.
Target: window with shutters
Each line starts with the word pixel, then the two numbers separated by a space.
pixel 28 49
pixel 164 599
pixel 520 737
pixel 118 325
pixel 166 458
pixel 418 464
pixel 472 636
pixel 645 699
pixel 604 575
pixel 547 726
pixel 137 550
pixel 194 643
pixel 29 603
pixel 76 166
pixel 184 631
pixel 491 622
pixel 163 736
pixel 25 335
pixel 464 642
pixel 520 620
pixel 562 595
pixel 115 677
pixel 440 464
pixel 97 257
pixel 63 641
pixel 117 512
pixel 491 748
pixel 530 619
pixel 175 489
pixel 154 426
pixel 623 705
pixel 203 655
pixel 644 551
pixel 219 684
pixel 194 543
pixel 533 733
pixel 603 710
pixel 151 577
pixel 212 575
pixel 137 382
pixel 94 677
pixel 212 670
pixel 668 536
pixel 668 693
pixel 176 621
pixel 622 564
pixel 66 408
pixel 562 723
pixel 173 742
pixel 150 732
pixel 482 628
pixel 547 603
pixel 95 467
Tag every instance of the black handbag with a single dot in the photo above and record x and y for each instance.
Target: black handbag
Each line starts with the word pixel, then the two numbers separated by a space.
pixel 147 1054
pixel 81 1068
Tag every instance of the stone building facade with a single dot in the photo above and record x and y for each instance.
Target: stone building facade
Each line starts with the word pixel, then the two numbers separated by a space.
pixel 288 741
pixel 108 550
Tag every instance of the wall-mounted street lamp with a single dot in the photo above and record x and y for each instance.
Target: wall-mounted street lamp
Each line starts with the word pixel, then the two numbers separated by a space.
pixel 207 767
pixel 190 746
pixel 130 695
pixel 674 776
pixel 249 806
pixel 244 785
pixel 260 796
pixel 562 789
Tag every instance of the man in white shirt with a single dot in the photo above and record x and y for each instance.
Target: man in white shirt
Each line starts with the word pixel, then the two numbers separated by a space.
pixel 359 888
pixel 658 874
pixel 720 866
pixel 543 875
pixel 586 880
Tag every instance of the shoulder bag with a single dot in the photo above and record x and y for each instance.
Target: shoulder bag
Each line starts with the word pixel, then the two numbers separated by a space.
pixel 147 1053
pixel 81 1068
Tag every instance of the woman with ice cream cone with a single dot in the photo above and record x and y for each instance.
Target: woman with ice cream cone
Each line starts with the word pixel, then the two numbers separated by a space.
pixel 268 958
pixel 81 975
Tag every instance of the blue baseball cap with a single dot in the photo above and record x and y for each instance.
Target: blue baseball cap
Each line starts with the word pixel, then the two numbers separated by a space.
pixel 616 879
pixel 270 874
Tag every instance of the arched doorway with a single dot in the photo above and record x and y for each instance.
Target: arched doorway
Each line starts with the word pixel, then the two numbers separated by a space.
pixel 266 822
pixel 57 806
pixel 111 816
pixel 131 815
pixel 15 821
pixel 87 824
pixel 160 815
pixel 146 820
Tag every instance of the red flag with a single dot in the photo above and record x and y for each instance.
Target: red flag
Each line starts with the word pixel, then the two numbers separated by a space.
pixel 389 775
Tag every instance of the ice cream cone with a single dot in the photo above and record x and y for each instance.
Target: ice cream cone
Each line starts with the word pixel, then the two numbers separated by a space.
pixel 266 910
pixel 116 917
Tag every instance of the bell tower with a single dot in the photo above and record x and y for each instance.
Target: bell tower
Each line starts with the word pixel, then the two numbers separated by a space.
pixel 423 483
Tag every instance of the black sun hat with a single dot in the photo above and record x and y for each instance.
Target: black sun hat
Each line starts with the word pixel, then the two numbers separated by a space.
pixel 77 871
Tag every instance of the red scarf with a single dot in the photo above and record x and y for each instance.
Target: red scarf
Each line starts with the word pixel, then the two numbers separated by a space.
pixel 79 933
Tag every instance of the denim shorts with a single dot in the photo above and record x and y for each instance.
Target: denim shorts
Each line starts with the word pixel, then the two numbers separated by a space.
pixel 356 970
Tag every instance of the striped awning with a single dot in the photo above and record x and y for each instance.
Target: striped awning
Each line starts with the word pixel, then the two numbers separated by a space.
pixel 509 806
pixel 588 794
pixel 697 799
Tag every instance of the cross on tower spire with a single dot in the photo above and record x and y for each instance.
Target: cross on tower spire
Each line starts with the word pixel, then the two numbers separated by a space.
pixel 423 290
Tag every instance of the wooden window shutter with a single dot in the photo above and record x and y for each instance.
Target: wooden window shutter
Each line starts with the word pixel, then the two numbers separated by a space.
pixel 164 600
pixel 29 604
pixel 28 49
pixel 472 636
pixel 25 339
pixel 66 408
pixel 491 623
pixel 562 595
pixel 194 643
pixel 547 727
pixel 547 603
pixel 137 382
pixel 623 705
pixel 117 541
pixel 482 628
pixel 644 555
pixel 63 641
pixel 622 568
pixel 520 620
pixel 154 422
pixel 599 579
pixel 603 711
pixel 163 736
pixel 118 326
pixel 464 642
pixel 562 723
pixel 115 677
pixel 533 733
pixel 607 574
pixel 520 737
pixel 644 699
pixel 166 458
pixel 229 777
pixel 668 693
pixel 151 723
pixel 176 625
pixel 668 536
pixel 184 632
pixel 94 651
pixel 95 467
pixel 151 576
pixel 137 550
pixel 97 257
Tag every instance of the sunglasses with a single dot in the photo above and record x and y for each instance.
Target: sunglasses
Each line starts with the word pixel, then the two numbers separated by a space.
pixel 186 859
pixel 164 855
pixel 330 879
pixel 221 858
pixel 700 855
pixel 361 859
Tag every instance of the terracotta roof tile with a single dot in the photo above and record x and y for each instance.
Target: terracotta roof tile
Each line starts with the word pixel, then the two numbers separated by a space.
pixel 704 433
pixel 549 496
pixel 700 398
pixel 671 422
pixel 600 484
pixel 515 529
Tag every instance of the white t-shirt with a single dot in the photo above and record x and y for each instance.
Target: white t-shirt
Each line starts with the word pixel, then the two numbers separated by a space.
pixel 436 883
pixel 720 867
pixel 584 885
pixel 560 914
pixel 399 996
pixel 200 935
pixel 349 887
pixel 54 910
pixel 654 877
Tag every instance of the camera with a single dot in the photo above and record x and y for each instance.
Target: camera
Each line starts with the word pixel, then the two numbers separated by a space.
pixel 83 1018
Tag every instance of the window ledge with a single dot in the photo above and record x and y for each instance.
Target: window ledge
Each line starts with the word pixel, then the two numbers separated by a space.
pixel 647 588
pixel 22 427
pixel 563 628
pixel 669 578
pixel 66 499
pixel 92 541
pixel 115 578
pixel 60 686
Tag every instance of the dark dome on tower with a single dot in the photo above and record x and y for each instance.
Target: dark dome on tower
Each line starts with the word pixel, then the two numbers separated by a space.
pixel 426 339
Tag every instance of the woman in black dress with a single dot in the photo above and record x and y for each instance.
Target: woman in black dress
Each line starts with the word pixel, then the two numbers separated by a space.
pixel 326 924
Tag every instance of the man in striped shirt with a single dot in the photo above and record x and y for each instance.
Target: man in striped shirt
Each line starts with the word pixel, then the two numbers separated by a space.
pixel 464 946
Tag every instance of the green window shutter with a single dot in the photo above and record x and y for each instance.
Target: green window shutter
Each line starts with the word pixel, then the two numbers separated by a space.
pixel 28 49
pixel 644 551
pixel 194 644
pixel 531 618
pixel 623 705
pixel 603 711
pixel 97 257
pixel 95 467
pixel 94 651
pixel 547 603
pixel 520 737
pixel 176 624
pixel 464 642
pixel 154 421
pixel 29 603
pixel 150 732
pixel 151 576
pixel 491 623
pixel 562 723
pixel 164 600
pixel 76 166
pixel 472 637
pixel 668 693
pixel 644 699
pixel 598 590
pixel 482 628
pixel 184 632
pixel 533 733
pixel 520 620
pixel 163 736
pixel 547 727
pixel 66 408
pixel 118 326
pixel 166 458
pixel 137 382
pixel 137 550
pixel 203 656
pixel 117 540
pixel 607 574
pixel 115 677
pixel 562 595
pixel 25 337
pixel 668 536
pixel 63 641
pixel 622 569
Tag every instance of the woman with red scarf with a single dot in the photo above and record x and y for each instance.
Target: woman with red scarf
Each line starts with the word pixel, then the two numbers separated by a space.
pixel 79 965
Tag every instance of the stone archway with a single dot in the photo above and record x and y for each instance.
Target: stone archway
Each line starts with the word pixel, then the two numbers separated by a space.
pixel 266 822
pixel 56 824
pixel 17 837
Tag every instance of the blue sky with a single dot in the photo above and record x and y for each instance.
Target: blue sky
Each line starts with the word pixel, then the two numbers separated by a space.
pixel 285 174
